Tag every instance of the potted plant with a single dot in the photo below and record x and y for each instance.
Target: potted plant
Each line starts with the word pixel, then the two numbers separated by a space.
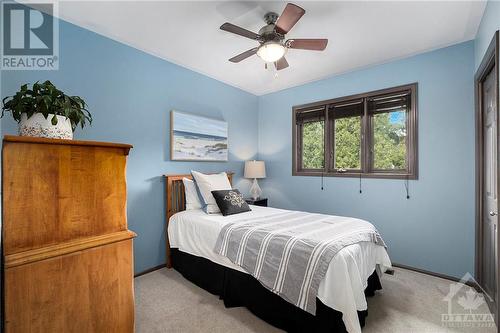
pixel 45 111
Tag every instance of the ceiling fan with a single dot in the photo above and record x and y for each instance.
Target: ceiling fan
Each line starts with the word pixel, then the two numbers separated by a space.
pixel 272 37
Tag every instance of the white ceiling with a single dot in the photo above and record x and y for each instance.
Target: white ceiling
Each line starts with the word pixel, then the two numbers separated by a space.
pixel 360 34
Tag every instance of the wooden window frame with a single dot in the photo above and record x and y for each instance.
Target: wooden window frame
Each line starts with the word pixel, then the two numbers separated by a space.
pixel 367 171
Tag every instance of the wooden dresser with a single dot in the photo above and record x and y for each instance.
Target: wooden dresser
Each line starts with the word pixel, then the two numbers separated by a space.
pixel 67 251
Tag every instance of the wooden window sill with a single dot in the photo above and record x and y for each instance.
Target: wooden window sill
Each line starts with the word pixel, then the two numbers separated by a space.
pixel 381 175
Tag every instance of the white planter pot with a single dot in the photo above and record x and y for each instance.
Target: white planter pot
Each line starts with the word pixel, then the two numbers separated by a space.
pixel 40 127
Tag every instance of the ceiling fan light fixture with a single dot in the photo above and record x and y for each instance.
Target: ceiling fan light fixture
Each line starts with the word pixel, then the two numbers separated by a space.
pixel 271 38
pixel 271 51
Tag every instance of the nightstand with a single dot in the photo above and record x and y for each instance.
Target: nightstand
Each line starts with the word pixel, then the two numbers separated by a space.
pixel 259 202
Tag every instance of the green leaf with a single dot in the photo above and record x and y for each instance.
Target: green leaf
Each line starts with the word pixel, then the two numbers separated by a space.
pixel 46 99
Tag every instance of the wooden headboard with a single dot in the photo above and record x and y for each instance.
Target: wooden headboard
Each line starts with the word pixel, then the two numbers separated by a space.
pixel 176 201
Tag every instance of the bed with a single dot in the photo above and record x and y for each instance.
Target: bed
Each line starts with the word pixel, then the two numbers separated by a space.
pixel 341 306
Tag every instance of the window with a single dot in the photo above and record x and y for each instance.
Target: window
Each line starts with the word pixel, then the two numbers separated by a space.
pixel 312 139
pixel 369 135
pixel 346 135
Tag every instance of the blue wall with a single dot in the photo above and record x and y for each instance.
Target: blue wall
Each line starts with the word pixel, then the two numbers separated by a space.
pixel 130 94
pixel 489 24
pixel 434 230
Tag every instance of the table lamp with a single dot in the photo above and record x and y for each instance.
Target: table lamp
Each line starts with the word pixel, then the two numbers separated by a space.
pixel 255 169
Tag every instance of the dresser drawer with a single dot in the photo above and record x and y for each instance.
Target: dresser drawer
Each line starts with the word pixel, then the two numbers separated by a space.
pixel 84 291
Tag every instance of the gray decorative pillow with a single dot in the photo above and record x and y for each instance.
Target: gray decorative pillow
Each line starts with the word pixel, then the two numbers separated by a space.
pixel 230 202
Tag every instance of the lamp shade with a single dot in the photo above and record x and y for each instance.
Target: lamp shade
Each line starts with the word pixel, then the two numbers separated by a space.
pixel 255 169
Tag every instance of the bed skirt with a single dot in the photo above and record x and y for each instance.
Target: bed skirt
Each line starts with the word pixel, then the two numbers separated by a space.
pixel 239 289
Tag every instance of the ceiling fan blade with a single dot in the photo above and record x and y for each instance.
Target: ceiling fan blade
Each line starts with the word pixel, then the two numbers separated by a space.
pixel 239 31
pixel 307 44
pixel 244 55
pixel 281 64
pixel 291 15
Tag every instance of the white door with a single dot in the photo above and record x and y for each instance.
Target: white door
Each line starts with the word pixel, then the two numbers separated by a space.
pixel 490 200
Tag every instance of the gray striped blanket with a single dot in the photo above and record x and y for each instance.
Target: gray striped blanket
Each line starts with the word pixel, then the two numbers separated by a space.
pixel 289 252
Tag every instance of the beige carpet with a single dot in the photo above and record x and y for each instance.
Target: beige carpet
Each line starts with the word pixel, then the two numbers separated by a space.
pixel 410 302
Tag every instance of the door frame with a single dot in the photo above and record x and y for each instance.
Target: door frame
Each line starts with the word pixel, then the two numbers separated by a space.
pixel 490 59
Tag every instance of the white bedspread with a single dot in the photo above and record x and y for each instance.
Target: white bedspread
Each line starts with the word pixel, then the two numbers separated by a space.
pixel 342 289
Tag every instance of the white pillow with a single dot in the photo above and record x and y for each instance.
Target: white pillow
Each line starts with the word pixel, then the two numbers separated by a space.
pixel 192 197
pixel 208 183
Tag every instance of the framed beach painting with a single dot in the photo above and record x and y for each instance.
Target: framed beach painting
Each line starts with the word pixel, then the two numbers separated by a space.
pixel 197 138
